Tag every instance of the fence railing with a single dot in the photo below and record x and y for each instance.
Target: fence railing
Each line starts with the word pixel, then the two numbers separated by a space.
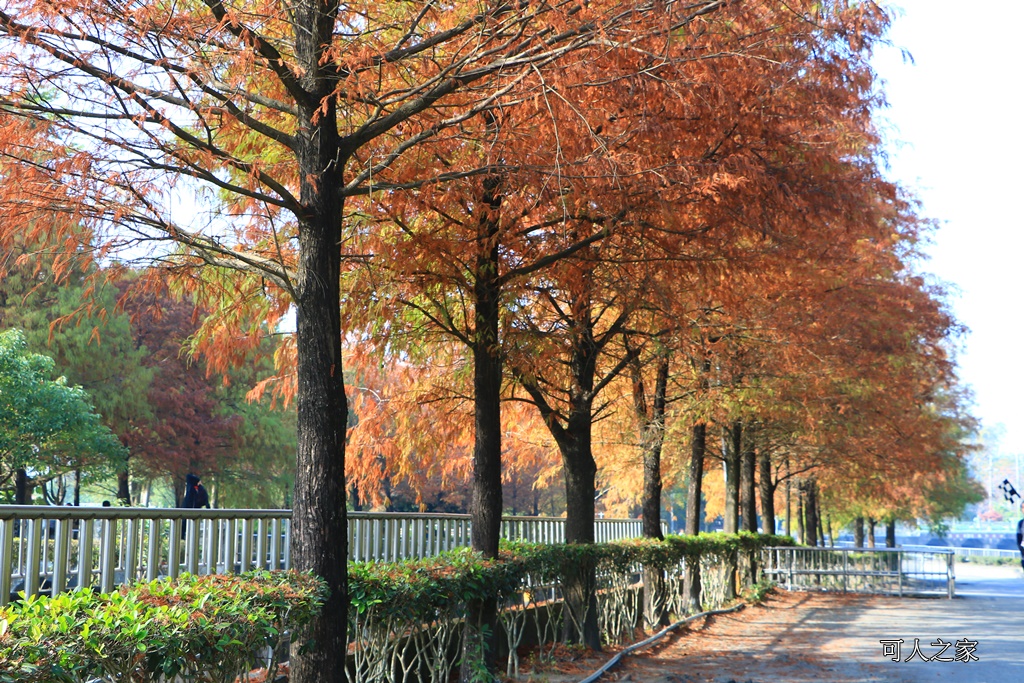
pixel 879 570
pixel 104 547
pixel 966 552
pixel 959 551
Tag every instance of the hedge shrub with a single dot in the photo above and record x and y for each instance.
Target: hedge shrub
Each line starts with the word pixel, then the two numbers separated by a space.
pixel 423 588
pixel 211 628
pixel 206 628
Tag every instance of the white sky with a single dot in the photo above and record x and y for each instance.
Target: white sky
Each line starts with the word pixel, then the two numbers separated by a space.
pixel 956 138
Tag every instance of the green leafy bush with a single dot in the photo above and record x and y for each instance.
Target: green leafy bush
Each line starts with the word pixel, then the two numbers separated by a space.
pixel 206 628
pixel 421 589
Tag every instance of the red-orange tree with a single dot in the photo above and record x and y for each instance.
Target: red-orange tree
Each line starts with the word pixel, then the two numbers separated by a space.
pixel 282 110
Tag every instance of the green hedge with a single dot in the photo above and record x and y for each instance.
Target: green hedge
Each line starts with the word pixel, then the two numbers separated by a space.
pixel 422 588
pixel 208 628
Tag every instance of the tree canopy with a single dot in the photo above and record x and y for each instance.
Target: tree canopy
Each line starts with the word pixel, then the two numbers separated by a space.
pixel 47 427
pixel 640 223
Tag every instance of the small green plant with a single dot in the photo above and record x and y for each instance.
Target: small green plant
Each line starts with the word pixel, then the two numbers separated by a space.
pixel 757 593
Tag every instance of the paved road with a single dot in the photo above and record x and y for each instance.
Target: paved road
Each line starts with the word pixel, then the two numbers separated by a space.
pixel 988 610
pixel 819 638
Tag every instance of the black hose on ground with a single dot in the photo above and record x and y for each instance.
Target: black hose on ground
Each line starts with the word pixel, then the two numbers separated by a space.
pixel 655 638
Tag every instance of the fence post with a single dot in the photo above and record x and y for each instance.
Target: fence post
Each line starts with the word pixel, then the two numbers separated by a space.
pixel 950 577
pixel 245 552
pixel 899 570
pixel 192 546
pixel 153 553
pixel 108 550
pixel 131 549
pixel 61 548
pixel 846 570
pixel 6 559
pixel 261 544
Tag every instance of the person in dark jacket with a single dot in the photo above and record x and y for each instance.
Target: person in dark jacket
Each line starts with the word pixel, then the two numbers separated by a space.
pixel 195 493
pixel 195 496
pixel 1020 536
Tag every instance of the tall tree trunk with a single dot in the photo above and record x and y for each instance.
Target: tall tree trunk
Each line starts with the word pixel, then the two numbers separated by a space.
pixel 319 535
pixel 124 495
pixel 652 437
pixel 767 486
pixel 481 633
pixel 811 513
pixel 801 536
pixel 22 487
pixel 871 532
pixel 698 444
pixel 731 443
pixel 828 527
pixel 788 530
pixel 890 533
pixel 580 479
pixel 77 500
pixel 820 514
pixel 575 443
pixel 858 532
pixel 748 499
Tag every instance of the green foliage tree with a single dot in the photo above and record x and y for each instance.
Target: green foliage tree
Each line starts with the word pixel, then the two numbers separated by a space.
pixel 75 319
pixel 264 438
pixel 47 428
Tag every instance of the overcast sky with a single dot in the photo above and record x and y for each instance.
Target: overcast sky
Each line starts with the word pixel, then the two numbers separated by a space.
pixel 956 137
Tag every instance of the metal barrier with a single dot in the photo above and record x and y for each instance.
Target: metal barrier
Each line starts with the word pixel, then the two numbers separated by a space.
pixel 104 547
pixel 967 552
pixel 959 551
pixel 880 570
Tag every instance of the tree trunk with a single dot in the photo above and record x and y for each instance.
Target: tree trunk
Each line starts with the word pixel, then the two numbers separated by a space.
pixel 731 443
pixel 22 487
pixel 820 514
pixel 580 478
pixel 811 514
pixel 788 530
pixel 890 533
pixel 748 499
pixel 77 500
pixel 319 537
pixel 767 487
pixel 691 586
pixel 124 496
pixel 574 440
pixel 652 439
pixel 858 532
pixel 871 532
pixel 800 535
pixel 828 527
pixel 481 633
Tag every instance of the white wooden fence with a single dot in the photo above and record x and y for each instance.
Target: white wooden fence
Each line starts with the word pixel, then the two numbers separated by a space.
pixel 104 547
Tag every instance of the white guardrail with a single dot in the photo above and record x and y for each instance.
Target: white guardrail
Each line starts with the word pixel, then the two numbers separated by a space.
pixel 957 550
pixel 105 547
pixel 898 571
